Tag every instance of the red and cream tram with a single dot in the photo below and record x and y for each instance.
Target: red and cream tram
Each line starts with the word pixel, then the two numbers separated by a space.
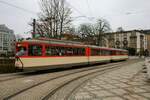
pixel 42 54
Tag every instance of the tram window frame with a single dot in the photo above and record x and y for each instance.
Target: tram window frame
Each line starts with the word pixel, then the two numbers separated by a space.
pixel 35 52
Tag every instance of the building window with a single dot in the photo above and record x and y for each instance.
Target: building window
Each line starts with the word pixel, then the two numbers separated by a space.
pixel 5 48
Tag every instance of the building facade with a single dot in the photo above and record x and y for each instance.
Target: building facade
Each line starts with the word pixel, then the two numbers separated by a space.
pixel 7 41
pixel 136 41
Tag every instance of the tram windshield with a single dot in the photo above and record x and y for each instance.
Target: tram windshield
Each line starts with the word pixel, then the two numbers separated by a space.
pixel 21 51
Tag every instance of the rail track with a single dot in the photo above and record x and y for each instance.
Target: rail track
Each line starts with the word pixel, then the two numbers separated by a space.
pixel 9 77
pixel 73 84
pixel 12 76
pixel 67 77
pixel 53 94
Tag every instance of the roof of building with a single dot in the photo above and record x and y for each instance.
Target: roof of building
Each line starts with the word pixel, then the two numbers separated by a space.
pixel 129 31
pixel 4 28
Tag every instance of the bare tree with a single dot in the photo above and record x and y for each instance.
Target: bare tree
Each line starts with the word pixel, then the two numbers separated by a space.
pixel 102 26
pixel 70 30
pixel 120 29
pixel 87 32
pixel 54 18
pixel 94 33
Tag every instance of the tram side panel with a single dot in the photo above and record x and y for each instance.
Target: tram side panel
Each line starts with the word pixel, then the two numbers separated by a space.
pixel 99 59
pixel 99 56
pixel 119 55
pixel 52 62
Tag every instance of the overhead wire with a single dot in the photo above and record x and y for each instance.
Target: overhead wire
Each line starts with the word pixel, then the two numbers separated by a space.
pixel 75 9
pixel 17 7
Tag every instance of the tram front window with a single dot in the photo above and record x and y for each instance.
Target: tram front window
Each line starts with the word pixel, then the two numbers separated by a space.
pixel 21 51
pixel 35 50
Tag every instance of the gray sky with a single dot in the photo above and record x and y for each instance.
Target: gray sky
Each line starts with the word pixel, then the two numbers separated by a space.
pixel 130 14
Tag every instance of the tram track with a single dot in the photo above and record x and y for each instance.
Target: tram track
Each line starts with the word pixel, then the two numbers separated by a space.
pixel 51 79
pixel 54 94
pixel 62 76
pixel 14 76
pixel 11 76
pixel 88 77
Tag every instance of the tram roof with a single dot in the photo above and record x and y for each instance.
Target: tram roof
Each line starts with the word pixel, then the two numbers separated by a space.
pixel 69 43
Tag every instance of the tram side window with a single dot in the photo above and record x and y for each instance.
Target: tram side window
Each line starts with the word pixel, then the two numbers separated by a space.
pixel 96 52
pixel 64 51
pixel 124 53
pixel 35 50
pixel 93 52
pixel 52 51
pixel 113 52
pixel 105 52
pixel 118 52
pixel 121 53
pixel 48 51
pixel 79 51
pixel 68 51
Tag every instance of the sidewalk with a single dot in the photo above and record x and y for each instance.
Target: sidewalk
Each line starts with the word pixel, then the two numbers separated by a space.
pixel 126 83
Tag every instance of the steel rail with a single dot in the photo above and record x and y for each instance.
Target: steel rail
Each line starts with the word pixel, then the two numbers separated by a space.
pixel 51 79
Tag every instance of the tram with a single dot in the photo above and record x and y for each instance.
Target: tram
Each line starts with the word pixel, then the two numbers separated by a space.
pixel 42 54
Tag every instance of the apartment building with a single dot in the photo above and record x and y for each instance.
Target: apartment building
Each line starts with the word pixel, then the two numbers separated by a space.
pixel 7 41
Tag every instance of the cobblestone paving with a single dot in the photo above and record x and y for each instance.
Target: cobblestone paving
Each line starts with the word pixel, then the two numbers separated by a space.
pixel 126 83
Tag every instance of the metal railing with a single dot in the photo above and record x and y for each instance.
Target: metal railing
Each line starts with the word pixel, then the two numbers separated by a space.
pixel 18 59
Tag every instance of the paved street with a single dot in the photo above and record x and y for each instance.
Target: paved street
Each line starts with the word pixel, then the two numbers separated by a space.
pixel 126 83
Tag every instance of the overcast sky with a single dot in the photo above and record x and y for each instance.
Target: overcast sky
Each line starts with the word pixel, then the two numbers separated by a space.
pixel 130 14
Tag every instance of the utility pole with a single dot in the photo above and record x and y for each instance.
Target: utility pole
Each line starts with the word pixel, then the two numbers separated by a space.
pixel 34 28
pixel 100 38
